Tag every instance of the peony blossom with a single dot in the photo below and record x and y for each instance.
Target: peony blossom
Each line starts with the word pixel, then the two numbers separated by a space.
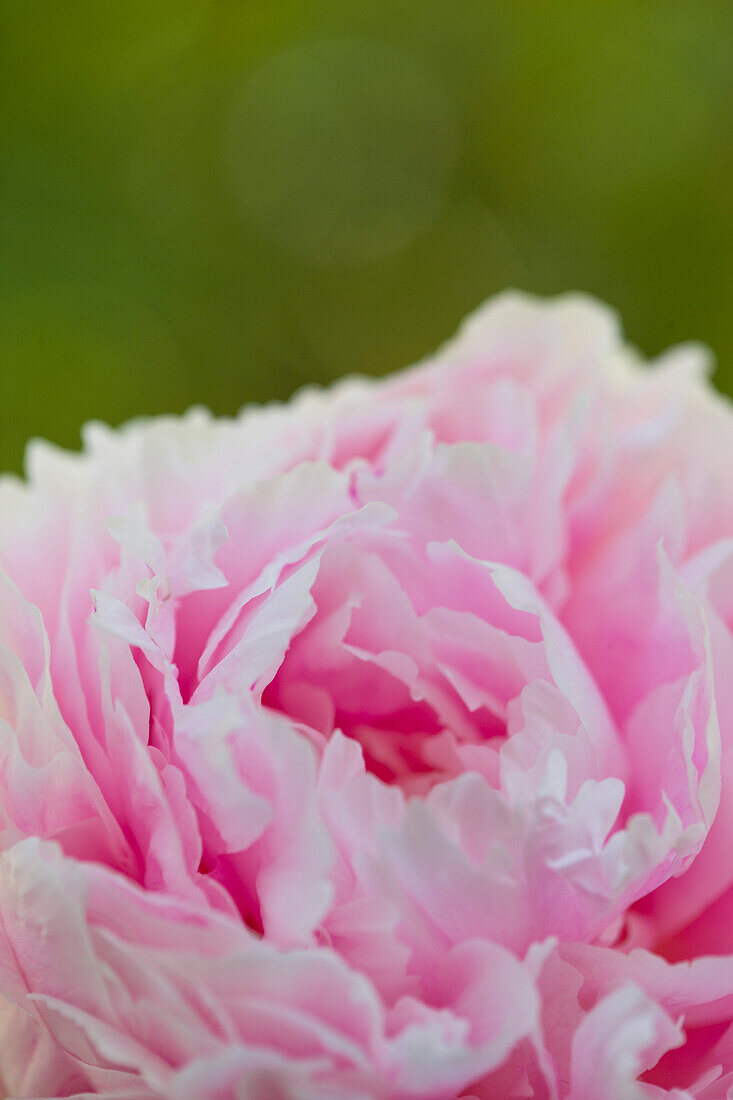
pixel 378 745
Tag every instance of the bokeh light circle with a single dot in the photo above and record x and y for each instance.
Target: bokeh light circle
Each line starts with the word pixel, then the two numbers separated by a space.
pixel 341 150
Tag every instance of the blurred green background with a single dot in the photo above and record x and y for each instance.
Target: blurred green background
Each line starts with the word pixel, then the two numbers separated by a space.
pixel 217 202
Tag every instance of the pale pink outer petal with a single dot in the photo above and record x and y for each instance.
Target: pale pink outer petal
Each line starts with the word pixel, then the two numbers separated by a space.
pixel 624 1034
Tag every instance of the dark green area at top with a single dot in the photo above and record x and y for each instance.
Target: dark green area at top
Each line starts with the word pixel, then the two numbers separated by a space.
pixel 217 202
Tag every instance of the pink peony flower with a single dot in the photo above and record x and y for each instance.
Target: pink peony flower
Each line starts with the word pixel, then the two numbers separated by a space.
pixel 392 754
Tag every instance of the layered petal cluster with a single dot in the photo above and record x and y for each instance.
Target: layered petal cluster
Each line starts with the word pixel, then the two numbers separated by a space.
pixel 378 745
